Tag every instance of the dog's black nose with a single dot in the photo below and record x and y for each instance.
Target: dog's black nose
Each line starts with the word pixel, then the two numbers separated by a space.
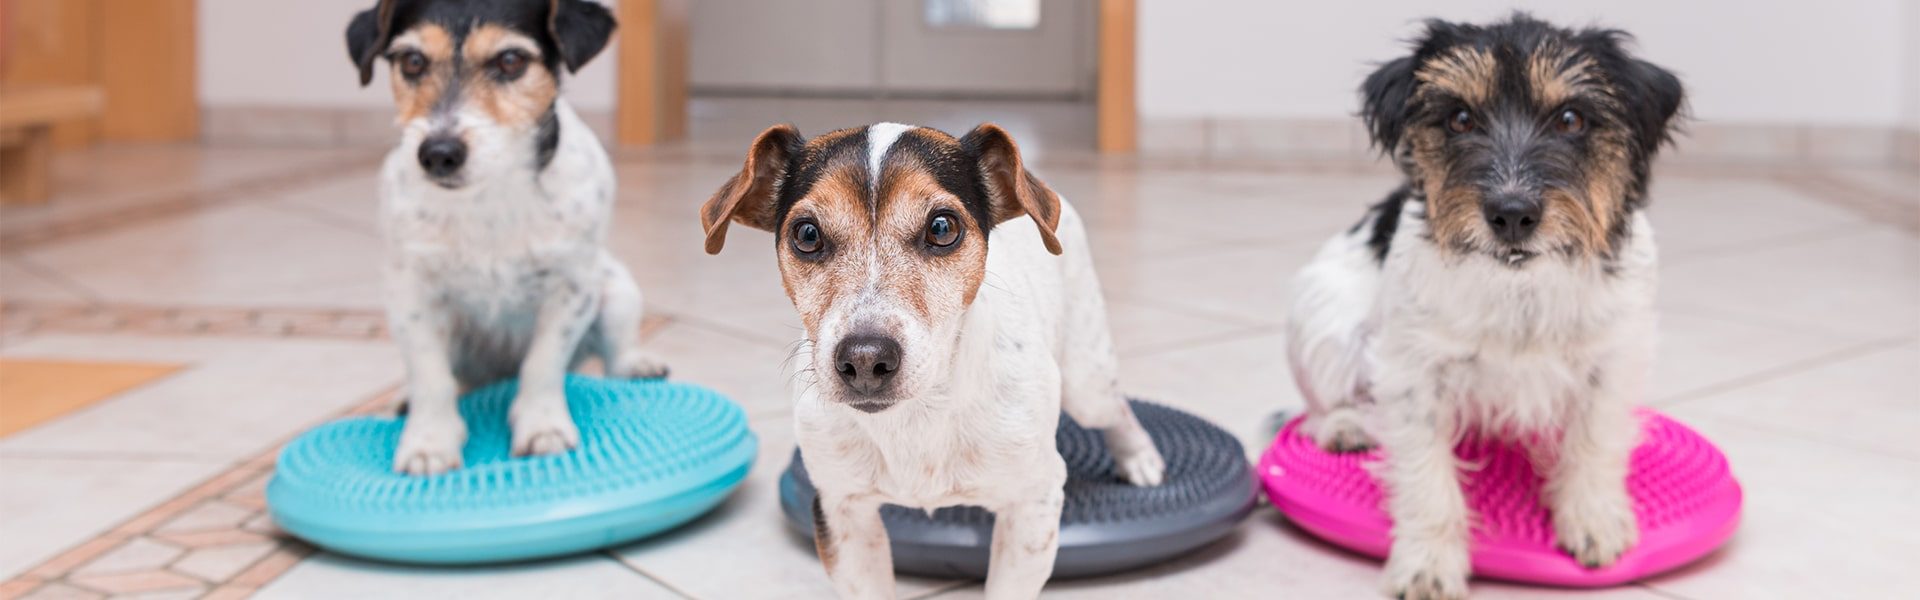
pixel 1513 218
pixel 867 362
pixel 442 156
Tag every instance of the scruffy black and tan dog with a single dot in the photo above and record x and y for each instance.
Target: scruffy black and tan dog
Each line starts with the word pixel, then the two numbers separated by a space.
pixel 1506 288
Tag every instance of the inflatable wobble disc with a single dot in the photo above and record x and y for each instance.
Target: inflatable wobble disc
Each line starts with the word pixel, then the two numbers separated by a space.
pixel 653 455
pixel 1684 497
pixel 1106 526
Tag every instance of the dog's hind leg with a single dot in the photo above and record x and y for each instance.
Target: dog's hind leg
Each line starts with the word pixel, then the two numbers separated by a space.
pixel 617 332
pixel 1327 331
pixel 1090 386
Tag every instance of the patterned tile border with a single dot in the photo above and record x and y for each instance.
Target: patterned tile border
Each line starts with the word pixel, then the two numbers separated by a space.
pixel 214 541
pixel 23 317
pixel 18 317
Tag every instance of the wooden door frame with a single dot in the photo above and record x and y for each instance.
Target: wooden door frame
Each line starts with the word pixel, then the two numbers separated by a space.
pixel 651 106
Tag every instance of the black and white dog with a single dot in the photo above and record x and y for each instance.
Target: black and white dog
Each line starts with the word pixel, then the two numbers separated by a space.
pixel 1506 288
pixel 495 206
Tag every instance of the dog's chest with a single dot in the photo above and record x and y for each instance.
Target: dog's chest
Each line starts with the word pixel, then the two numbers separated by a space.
pixel 499 242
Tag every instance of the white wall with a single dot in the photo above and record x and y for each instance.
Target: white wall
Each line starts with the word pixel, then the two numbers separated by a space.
pixel 293 53
pixel 1833 62
pixel 1912 95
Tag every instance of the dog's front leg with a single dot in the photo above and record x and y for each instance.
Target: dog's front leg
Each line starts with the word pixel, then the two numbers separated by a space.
pixel 431 441
pixel 1026 537
pixel 1586 483
pixel 1429 557
pixel 540 420
pixel 853 546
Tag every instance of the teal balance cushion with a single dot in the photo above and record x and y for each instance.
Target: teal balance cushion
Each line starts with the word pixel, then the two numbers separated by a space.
pixel 653 455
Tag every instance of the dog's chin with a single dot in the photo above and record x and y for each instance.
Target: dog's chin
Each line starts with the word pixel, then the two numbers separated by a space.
pixel 449 183
pixel 1513 256
pixel 870 406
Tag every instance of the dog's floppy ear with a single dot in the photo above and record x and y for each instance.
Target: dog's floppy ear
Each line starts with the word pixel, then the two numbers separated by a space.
pixel 367 37
pixel 1011 189
pixel 1653 97
pixel 580 30
pixel 1383 102
pixel 748 197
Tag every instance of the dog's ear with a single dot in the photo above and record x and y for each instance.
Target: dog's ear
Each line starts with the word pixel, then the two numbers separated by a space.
pixel 1653 97
pixel 747 198
pixel 580 29
pixel 1012 190
pixel 367 37
pixel 1383 102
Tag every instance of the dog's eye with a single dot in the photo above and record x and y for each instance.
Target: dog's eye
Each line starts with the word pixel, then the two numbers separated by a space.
pixel 412 64
pixel 806 237
pixel 1461 122
pixel 1570 121
pixel 510 64
pixel 942 231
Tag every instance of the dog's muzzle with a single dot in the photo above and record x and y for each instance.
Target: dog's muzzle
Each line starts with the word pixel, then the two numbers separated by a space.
pixel 866 365
pixel 442 157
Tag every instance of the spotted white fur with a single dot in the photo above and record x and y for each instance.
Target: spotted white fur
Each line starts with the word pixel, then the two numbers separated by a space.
pixel 503 276
pixel 1418 349
pixel 978 427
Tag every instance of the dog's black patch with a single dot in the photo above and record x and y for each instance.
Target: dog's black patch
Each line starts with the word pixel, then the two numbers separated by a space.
pixel 955 168
pixel 807 163
pixel 547 139
pixel 1383 219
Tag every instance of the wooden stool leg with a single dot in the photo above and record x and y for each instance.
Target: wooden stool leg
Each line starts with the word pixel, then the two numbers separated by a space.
pixel 26 165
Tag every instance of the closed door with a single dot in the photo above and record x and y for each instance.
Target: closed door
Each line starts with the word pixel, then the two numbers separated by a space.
pixel 893 48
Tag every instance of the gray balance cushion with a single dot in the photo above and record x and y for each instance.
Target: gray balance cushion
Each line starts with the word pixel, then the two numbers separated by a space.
pixel 1107 525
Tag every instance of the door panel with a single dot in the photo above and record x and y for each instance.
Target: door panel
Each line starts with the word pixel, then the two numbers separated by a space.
pixel 1048 58
pixel 771 47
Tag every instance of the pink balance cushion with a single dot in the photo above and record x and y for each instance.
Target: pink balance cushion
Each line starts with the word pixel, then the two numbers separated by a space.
pixel 1684 497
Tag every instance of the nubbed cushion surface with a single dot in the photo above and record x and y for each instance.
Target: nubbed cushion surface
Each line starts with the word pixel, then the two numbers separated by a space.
pixel 653 454
pixel 1106 525
pixel 1684 497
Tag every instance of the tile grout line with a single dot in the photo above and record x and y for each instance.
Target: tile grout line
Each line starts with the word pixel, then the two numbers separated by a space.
pixel 58 278
pixel 322 217
pixel 615 557
pixel 951 586
pixel 1651 589
pixel 1830 358
pixel 1789 240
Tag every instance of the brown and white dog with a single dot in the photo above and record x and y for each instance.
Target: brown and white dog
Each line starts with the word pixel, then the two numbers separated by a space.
pixel 1506 288
pixel 944 336
pixel 495 205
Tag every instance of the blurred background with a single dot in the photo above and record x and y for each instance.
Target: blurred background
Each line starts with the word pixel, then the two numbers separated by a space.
pixel 1772 81
pixel 189 251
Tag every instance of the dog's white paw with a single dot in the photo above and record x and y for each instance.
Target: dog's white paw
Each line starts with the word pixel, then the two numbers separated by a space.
pixel 430 446
pixel 542 426
pixel 1142 466
pixel 1427 570
pixel 1338 431
pixel 1596 528
pixel 638 365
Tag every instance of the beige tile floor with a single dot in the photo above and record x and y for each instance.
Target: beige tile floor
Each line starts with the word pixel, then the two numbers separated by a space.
pixel 1791 324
